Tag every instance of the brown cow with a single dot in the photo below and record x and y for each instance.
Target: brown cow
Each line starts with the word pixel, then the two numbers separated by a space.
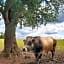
pixel 41 44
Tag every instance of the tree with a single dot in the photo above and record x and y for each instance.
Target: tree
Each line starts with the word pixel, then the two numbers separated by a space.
pixel 30 12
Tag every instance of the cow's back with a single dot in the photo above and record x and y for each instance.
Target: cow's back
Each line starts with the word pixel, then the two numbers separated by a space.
pixel 47 43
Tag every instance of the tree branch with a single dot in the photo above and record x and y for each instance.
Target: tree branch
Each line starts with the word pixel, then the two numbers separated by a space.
pixel 8 5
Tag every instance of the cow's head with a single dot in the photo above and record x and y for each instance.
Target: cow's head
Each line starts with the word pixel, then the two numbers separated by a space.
pixel 28 43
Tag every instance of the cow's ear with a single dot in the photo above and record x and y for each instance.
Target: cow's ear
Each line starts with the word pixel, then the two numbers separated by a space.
pixel 24 41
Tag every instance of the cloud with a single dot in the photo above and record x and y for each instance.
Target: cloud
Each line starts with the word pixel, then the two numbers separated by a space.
pixel 56 30
pixel 2 25
pixel 51 29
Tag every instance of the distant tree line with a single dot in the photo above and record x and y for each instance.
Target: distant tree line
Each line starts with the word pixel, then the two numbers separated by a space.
pixel 1 35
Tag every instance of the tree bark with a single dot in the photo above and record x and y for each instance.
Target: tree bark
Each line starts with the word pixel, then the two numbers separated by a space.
pixel 10 45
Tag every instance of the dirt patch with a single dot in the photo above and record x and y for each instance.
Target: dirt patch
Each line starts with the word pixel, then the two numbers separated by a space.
pixel 28 58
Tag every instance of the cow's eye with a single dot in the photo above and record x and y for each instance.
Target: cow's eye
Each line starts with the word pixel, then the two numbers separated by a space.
pixel 33 40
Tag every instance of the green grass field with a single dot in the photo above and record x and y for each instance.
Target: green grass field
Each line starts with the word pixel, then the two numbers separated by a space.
pixel 60 44
pixel 19 42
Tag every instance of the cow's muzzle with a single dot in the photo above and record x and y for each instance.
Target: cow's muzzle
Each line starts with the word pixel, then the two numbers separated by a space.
pixel 26 49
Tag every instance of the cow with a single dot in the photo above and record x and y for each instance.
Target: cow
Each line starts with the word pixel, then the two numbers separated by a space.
pixel 40 44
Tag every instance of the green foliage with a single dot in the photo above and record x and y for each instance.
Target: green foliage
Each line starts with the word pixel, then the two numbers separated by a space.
pixel 1 35
pixel 48 13
pixel 27 11
pixel 1 6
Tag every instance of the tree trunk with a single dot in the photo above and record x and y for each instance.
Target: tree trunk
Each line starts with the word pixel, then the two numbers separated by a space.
pixel 10 45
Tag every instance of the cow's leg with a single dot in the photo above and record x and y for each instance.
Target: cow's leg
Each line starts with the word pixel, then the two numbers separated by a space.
pixel 52 51
pixel 36 56
pixel 39 56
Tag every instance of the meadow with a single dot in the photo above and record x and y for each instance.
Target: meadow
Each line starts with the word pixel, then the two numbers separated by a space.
pixel 60 44
pixel 29 59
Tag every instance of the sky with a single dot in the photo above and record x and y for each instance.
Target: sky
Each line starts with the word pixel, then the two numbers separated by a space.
pixel 56 30
pixel 51 29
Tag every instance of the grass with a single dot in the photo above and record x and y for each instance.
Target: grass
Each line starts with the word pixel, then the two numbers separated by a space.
pixel 60 44
pixel 19 42
pixel 1 43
